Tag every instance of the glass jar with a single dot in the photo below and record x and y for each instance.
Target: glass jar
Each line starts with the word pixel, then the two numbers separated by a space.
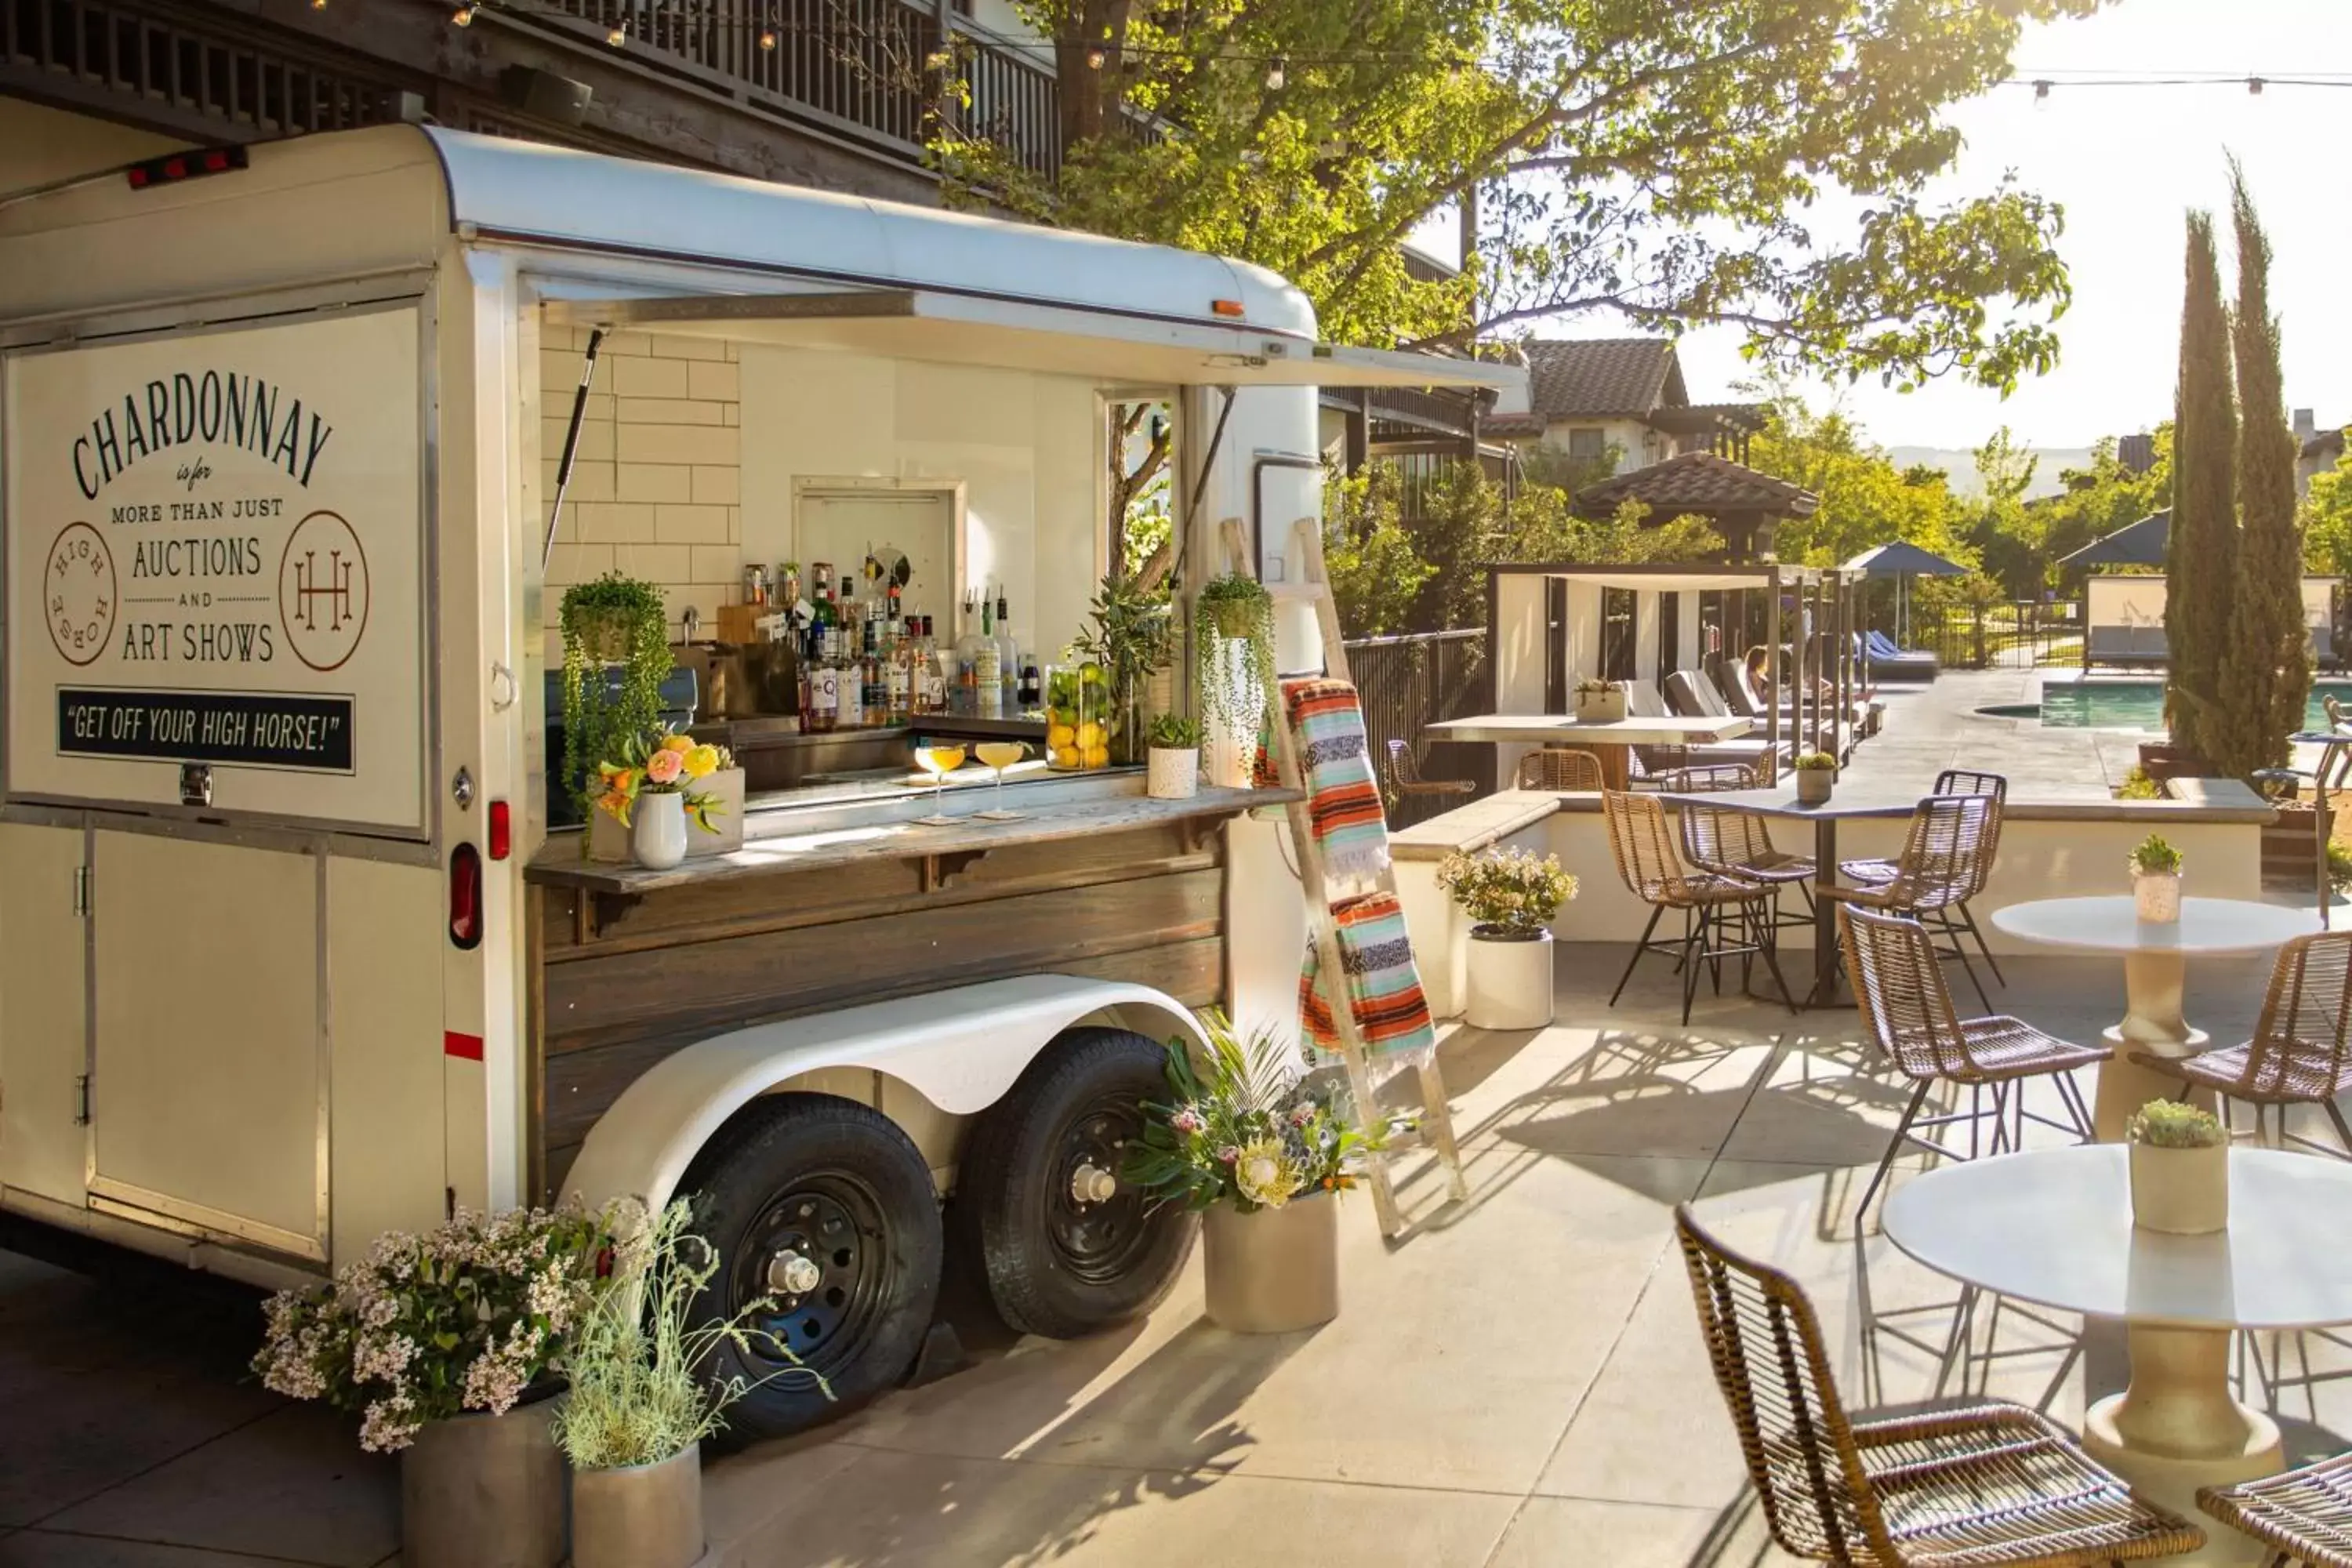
pixel 1077 718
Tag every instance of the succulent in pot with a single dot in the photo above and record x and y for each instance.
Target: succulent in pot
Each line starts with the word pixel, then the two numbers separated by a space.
pixel 1174 758
pixel 2179 1168
pixel 1816 775
pixel 2156 880
pixel 1510 897
pixel 1600 701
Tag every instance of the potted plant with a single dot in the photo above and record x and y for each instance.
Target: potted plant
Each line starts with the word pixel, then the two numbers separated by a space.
pixel 615 656
pixel 2179 1168
pixel 1132 636
pixel 1510 898
pixel 714 781
pixel 1233 655
pixel 653 791
pixel 1599 702
pixel 1174 763
pixel 1250 1144
pixel 450 1346
pixel 2156 880
pixel 1816 775
pixel 640 1404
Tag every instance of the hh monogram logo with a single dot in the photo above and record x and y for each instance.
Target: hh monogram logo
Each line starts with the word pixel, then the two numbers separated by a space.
pixel 322 591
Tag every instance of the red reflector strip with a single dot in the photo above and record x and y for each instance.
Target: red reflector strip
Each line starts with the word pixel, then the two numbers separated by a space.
pixel 467 1048
pixel 176 166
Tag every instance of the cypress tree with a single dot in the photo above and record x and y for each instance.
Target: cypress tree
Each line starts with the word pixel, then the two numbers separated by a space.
pixel 2267 663
pixel 2200 565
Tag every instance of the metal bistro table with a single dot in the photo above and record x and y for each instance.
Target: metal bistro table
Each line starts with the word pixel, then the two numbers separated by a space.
pixel 1782 803
pixel 2156 965
pixel 2053 1226
pixel 1608 742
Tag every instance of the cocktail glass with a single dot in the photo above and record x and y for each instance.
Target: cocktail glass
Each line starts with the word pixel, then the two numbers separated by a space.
pixel 938 761
pixel 1000 755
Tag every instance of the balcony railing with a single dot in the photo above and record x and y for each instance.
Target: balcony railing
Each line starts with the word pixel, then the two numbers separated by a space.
pixel 872 69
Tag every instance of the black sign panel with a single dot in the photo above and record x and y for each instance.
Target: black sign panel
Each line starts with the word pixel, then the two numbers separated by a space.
pixel 312 732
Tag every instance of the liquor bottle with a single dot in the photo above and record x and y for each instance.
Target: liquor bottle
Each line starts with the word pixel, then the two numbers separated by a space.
pixel 988 671
pixel 933 679
pixel 872 691
pixel 1032 685
pixel 824 681
pixel 1008 657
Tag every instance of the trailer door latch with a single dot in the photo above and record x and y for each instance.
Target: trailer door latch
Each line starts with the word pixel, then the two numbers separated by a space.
pixel 81 1100
pixel 195 784
pixel 82 891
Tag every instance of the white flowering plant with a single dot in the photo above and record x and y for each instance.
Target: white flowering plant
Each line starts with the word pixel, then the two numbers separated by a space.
pixel 463 1318
pixel 1506 892
pixel 1245 1128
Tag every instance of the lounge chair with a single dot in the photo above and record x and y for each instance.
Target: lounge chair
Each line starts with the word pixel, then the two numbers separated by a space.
pixel 1885 661
pixel 2106 645
pixel 2323 648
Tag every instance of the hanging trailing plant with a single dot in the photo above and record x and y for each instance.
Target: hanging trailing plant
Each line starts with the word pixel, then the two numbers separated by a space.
pixel 1232 609
pixel 614 620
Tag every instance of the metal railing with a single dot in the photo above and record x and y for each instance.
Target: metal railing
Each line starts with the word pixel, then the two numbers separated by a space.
pixel 1406 684
pixel 877 68
pixel 1999 635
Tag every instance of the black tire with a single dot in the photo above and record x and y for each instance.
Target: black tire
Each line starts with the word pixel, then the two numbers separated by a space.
pixel 842 1186
pixel 1054 1265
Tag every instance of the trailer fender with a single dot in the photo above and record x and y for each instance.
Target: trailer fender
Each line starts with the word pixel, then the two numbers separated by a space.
pixel 960 1048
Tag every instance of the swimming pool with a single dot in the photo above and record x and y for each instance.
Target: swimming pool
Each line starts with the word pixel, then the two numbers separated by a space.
pixel 2137 704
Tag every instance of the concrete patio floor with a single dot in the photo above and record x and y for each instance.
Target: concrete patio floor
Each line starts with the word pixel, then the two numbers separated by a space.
pixel 1518 1382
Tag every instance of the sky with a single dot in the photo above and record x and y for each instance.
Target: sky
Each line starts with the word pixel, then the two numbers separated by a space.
pixel 2125 163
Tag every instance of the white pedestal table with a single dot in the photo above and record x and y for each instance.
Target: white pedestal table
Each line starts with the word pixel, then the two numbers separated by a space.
pixel 2053 1226
pixel 2155 974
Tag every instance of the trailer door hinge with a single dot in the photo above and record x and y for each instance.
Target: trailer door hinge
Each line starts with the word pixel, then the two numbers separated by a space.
pixel 81 890
pixel 82 1100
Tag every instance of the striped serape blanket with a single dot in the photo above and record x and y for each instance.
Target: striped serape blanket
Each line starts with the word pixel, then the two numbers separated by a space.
pixel 1383 986
pixel 1343 799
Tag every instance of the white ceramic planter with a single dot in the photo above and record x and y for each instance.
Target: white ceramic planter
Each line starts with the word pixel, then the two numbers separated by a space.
pixel 657 831
pixel 484 1491
pixel 1813 784
pixel 2156 896
pixel 643 1516
pixel 1600 707
pixel 2180 1192
pixel 1509 982
pixel 1172 773
pixel 1276 1270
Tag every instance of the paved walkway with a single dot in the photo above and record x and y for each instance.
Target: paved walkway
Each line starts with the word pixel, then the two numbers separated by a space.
pixel 1518 1382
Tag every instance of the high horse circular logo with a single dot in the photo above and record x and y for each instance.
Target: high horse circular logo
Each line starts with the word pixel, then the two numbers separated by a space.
pixel 77 593
pixel 322 591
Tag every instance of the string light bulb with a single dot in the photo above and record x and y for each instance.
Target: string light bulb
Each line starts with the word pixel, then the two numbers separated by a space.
pixel 1093 59
pixel 2253 87
pixel 463 16
pixel 2041 93
pixel 619 35
pixel 768 38
pixel 317 5
pixel 1274 75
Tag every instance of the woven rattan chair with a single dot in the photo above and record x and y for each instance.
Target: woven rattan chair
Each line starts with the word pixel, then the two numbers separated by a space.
pixel 2304 1515
pixel 1739 843
pixel 2299 1054
pixel 1560 768
pixel 1644 851
pixel 1981 1484
pixel 1647 767
pixel 1907 1015
pixel 1946 857
pixel 1878 872
pixel 1404 777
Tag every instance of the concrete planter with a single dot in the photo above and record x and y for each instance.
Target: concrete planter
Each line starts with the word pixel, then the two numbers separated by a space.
pixel 1276 1270
pixel 1509 981
pixel 1600 707
pixel 484 1491
pixel 2156 896
pixel 2180 1192
pixel 1813 784
pixel 1172 772
pixel 639 1516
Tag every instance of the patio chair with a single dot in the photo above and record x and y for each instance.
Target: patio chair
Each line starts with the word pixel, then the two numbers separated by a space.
pixel 1878 871
pixel 1404 777
pixel 1908 1016
pixel 1884 657
pixel 1693 695
pixel 2299 1054
pixel 1730 842
pixel 1971 1485
pixel 1645 852
pixel 1560 768
pixel 2305 1515
pixel 2106 645
pixel 1945 860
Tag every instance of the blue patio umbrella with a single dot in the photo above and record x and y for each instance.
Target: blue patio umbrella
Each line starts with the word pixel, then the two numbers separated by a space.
pixel 2141 543
pixel 1902 561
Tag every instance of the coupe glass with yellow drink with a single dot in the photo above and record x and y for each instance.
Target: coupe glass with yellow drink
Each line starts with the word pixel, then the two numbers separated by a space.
pixel 939 759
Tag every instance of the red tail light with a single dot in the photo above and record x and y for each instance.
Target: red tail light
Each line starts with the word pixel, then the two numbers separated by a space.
pixel 501 832
pixel 466 898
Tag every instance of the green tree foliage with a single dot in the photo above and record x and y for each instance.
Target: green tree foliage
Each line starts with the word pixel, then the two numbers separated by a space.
pixel 1660 162
pixel 1866 499
pixel 2266 662
pixel 1376 574
pixel 2007 533
pixel 2099 500
pixel 2202 568
pixel 2327 520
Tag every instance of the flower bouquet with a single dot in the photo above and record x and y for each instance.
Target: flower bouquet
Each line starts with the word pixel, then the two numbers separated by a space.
pixel 662 782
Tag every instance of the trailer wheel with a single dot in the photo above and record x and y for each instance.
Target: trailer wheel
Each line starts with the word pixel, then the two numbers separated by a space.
pixel 1063 1254
pixel 826 1208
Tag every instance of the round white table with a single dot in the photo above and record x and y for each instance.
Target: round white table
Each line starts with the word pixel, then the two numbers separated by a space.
pixel 2155 972
pixel 2054 1227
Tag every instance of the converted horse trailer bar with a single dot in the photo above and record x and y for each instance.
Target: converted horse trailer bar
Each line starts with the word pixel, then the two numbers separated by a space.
pixel 278 434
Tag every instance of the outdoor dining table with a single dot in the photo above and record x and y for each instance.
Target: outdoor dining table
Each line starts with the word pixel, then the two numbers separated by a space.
pixel 2054 1227
pixel 1608 742
pixel 2155 963
pixel 1782 802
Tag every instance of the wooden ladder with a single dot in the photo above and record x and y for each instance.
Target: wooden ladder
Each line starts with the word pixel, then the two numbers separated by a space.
pixel 1313 585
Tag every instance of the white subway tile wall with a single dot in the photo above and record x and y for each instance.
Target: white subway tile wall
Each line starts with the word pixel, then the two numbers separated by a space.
pixel 655 490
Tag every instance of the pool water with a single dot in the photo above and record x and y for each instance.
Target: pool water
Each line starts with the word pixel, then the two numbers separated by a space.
pixel 2139 704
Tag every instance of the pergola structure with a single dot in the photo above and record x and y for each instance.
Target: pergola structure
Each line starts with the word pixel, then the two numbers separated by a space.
pixel 1744 505
pixel 1555 624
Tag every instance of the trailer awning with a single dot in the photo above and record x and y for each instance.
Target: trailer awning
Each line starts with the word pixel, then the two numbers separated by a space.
pixel 963 329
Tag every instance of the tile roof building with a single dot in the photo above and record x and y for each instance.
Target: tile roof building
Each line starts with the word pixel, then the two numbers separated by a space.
pixel 1588 395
